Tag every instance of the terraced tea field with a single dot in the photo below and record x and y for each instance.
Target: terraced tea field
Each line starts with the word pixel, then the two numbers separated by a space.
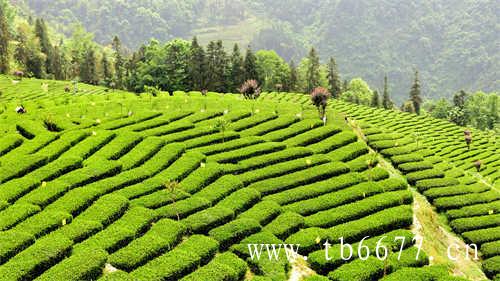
pixel 98 184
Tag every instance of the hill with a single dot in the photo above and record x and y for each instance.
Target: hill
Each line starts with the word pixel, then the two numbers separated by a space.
pixel 110 185
pixel 452 43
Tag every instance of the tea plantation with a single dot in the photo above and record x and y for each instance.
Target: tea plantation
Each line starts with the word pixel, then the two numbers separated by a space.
pixel 97 184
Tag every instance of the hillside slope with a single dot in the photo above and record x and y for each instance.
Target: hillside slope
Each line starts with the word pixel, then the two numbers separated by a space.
pixel 98 184
pixel 453 43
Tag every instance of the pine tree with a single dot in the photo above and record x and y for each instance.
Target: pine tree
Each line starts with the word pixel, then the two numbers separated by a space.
pixel 45 45
pixel 88 68
pixel 386 98
pixel 293 80
pixel 375 99
pixel 313 74
pixel 106 71
pixel 216 66
pixel 58 64
pixel 119 62
pixel 415 95
pixel 4 43
pixel 334 79
pixel 250 66
pixel 237 73
pixel 197 66
pixel 345 86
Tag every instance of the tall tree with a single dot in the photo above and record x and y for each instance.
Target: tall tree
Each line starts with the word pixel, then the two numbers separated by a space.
pixel 45 45
pixel 250 65
pixel 415 94
pixel 119 62
pixel 334 79
pixel 375 99
pixel 106 70
pixel 294 77
pixel 237 72
pixel 386 98
pixel 4 43
pixel 216 66
pixel 58 64
pixel 313 71
pixel 197 66
pixel 88 68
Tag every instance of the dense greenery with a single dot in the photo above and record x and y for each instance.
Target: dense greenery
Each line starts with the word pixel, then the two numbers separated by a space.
pixel 453 44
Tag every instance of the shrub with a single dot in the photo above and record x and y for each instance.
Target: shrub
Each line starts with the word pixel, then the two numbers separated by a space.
pixel 240 200
pixel 423 185
pixel 293 130
pixel 263 212
pixel 363 162
pixel 372 225
pixel 481 236
pixel 207 219
pixel 282 168
pixel 490 249
pixel 406 158
pixel 216 138
pixel 312 136
pixel 315 189
pixel 229 145
pixel 273 125
pixel 141 153
pixel 43 222
pixel 16 213
pixel 358 209
pixel 425 174
pixel 335 199
pixel 362 270
pixel 13 242
pixel 162 236
pixel 118 147
pixel 302 177
pixel 415 166
pixel 255 120
pixel 455 190
pixel 334 142
pixel 376 174
pixel 246 152
pixel 37 258
pixel 474 210
pixel 86 265
pixel 221 188
pixel 453 202
pixel 226 266
pixel 348 152
pixel 121 232
pixel 80 229
pixel 285 224
pixel 491 266
pixel 250 89
pixel 270 159
pixel 319 98
pixel 9 142
pixel 183 208
pixel 262 237
pixel 188 134
pixel 234 231
pixel 15 167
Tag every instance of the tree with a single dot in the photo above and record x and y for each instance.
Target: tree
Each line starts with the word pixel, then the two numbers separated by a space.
pixel 386 98
pixel 119 63
pixel 4 42
pixel 58 64
pixel 440 109
pixel 334 79
pixel 250 89
pixel 221 125
pixel 415 95
pixel 408 107
pixel 359 92
pixel 88 68
pixel 313 71
pixel 197 65
pixel 294 79
pixel 106 70
pixel 45 45
pixel 271 69
pixel 250 65
pixel 319 98
pixel 375 99
pixel 175 64
pixel 216 66
pixel 237 72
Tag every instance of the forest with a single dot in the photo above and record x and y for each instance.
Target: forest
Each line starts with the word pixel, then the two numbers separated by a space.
pixel 454 44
